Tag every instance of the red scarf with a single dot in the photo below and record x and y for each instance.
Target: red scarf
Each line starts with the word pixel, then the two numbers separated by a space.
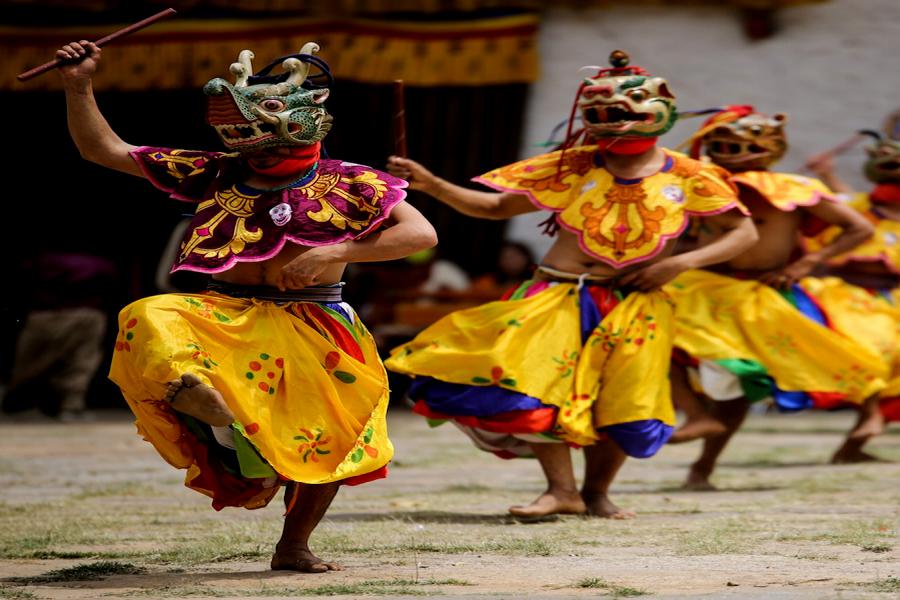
pixel 886 193
pixel 626 145
pixel 300 161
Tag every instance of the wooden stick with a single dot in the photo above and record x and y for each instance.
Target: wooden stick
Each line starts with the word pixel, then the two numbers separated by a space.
pixel 101 42
pixel 398 120
pixel 844 146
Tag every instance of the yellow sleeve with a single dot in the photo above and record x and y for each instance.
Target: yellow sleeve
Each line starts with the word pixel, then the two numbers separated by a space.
pixel 551 181
pixel 708 188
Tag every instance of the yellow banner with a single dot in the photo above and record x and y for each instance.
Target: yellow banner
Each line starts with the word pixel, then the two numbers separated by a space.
pixel 185 54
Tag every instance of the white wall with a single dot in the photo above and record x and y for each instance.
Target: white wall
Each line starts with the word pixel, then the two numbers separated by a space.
pixel 833 68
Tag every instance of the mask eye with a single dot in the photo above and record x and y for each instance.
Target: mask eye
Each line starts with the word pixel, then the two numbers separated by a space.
pixel 272 105
pixel 755 129
pixel 638 95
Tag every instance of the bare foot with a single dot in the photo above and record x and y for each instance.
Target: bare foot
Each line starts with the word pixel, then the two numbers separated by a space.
pixel 601 506
pixel 851 453
pixel 849 458
pixel 693 429
pixel 871 425
pixel 556 503
pixel 300 558
pixel 189 395
pixel 698 481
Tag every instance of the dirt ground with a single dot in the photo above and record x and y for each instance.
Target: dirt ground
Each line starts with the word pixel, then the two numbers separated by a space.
pixel 91 511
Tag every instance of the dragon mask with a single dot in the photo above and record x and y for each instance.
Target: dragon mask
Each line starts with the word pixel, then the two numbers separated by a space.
pixel 265 111
pixel 883 163
pixel 625 101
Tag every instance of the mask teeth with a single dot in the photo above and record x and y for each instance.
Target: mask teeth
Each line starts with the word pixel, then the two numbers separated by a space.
pixel 243 68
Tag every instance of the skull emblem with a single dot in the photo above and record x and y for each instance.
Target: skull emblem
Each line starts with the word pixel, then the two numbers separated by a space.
pixel 281 213
pixel 673 193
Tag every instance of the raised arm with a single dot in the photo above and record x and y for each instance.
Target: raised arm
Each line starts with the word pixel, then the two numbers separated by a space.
pixel 474 203
pixel 407 233
pixel 95 139
pixel 739 234
pixel 823 166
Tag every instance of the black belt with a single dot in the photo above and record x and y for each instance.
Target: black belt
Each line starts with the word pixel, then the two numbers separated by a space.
pixel 323 293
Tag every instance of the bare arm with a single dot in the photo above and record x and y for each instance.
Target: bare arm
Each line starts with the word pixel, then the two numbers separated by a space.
pixel 474 203
pixel 855 229
pixel 95 139
pixel 409 232
pixel 739 234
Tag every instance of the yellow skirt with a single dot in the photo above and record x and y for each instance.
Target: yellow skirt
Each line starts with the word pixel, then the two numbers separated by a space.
pixel 750 328
pixel 576 363
pixel 871 318
pixel 303 379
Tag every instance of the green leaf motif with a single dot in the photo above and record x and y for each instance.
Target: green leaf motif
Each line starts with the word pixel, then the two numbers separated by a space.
pixel 508 381
pixel 357 455
pixel 345 377
pixel 368 435
pixel 222 318
pixel 480 380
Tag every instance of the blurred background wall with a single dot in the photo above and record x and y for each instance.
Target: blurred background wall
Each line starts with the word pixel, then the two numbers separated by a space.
pixel 833 67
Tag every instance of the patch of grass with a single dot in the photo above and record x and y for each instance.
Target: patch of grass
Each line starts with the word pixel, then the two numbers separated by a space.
pixel 16 593
pixel 85 572
pixel 341 542
pixel 863 533
pixel 388 587
pixel 877 548
pixel 871 536
pixel 466 488
pixel 891 584
pixel 729 536
pixel 56 554
pixel 815 556
pixel 616 591
pixel 125 488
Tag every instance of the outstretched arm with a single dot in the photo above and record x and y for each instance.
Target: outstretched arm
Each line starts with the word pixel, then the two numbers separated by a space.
pixel 474 203
pixel 739 234
pixel 823 166
pixel 855 229
pixel 408 232
pixel 95 139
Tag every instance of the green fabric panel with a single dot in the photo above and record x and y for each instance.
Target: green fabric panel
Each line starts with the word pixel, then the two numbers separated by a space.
pixel 342 320
pixel 253 466
pixel 223 455
pixel 755 380
pixel 788 295
pixel 521 290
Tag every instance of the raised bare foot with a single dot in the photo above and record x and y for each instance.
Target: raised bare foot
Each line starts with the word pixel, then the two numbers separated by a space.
pixel 189 395
pixel 601 506
pixel 555 503
pixel 694 429
pixel 698 481
pixel 300 558
pixel 870 426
